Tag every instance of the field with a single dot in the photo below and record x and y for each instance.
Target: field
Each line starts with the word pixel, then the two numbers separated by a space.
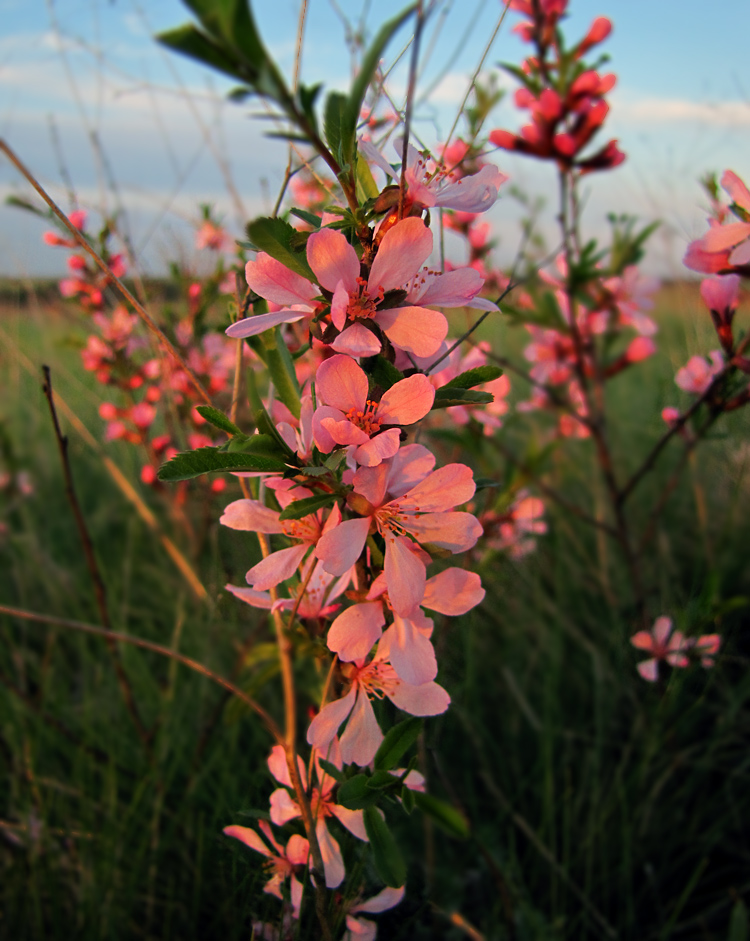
pixel 599 806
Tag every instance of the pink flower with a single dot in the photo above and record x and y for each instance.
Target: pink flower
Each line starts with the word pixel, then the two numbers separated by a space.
pixel 213 236
pixel 255 517
pixel 283 863
pixel 698 374
pixel 661 646
pixel 721 296
pixel 349 418
pixel 362 736
pixel 403 495
pixel 706 646
pixel 726 246
pixel 363 929
pixel 284 808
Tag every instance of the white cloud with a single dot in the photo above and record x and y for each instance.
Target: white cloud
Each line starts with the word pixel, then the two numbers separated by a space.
pixel 672 110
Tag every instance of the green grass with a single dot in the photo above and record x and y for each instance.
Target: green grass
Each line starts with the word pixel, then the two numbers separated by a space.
pixel 599 805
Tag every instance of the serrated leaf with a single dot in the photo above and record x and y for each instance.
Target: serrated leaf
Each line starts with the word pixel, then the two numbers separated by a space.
pixel 385 853
pixel 354 794
pixel 473 377
pixel 442 813
pixel 191 464
pixel 445 399
pixel 299 508
pixel 275 237
pixel 218 419
pixel 255 444
pixel 398 740
pixel 370 61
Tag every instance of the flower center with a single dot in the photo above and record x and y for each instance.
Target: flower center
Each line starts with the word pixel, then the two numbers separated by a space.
pixel 306 530
pixel 361 305
pixel 388 519
pixel 366 419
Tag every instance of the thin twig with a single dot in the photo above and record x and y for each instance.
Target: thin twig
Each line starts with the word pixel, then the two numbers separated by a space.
pixel 121 638
pixel 411 89
pixel 100 591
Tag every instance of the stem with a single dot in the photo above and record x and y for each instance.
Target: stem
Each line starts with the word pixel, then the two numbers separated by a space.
pixel 409 106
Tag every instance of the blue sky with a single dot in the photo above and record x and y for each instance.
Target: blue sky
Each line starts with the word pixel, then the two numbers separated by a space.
pixel 79 71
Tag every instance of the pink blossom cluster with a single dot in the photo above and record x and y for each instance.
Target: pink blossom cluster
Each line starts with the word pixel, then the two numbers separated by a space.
pixel 565 99
pixel 123 361
pixel 672 647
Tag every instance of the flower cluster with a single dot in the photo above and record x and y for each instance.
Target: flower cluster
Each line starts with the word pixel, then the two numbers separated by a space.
pixel 673 648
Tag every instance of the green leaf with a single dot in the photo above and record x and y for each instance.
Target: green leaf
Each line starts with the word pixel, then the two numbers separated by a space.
pixel 397 741
pixel 385 853
pixel 407 798
pixel 381 780
pixel 275 237
pixel 332 124
pixel 353 103
pixel 473 377
pixel 383 373
pixel 218 419
pixel 191 42
pixel 739 929
pixel 281 370
pixel 190 464
pixel 484 483
pixel 367 188
pixel 304 507
pixel 444 399
pixel 309 217
pixel 336 773
pixel 255 444
pixel 354 794
pixel 448 817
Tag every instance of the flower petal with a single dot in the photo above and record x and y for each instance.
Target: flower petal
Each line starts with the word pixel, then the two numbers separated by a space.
pixel 276 567
pixel 407 401
pixel 252 326
pixel 401 254
pixel 412 655
pixel 333 259
pixel 356 631
pixel 357 340
pixel 272 280
pixel 340 548
pixel 252 516
pixel 417 330
pixel 362 736
pixel 453 591
pixel 429 699
pixel 404 573
pixel 326 723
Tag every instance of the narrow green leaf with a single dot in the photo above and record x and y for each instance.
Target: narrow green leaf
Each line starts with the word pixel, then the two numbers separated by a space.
pixel 218 419
pixel 275 237
pixel 353 102
pixel 354 793
pixel 299 508
pixel 281 371
pixel 191 42
pixel 381 780
pixel 474 377
pixel 448 817
pixel 461 397
pixel 336 773
pixel 385 853
pixel 308 217
pixel 407 798
pixel 190 464
pixel 397 741
pixel 332 123
pixel 367 188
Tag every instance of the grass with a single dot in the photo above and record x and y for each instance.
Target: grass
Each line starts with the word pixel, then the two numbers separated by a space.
pixel 600 806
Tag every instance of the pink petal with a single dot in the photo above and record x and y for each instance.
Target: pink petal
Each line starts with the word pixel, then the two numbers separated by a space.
pixel 258 599
pixel 283 808
pixel 736 189
pixel 323 440
pixel 340 382
pixel 381 902
pixel 453 289
pixel 429 699
pixel 340 548
pixel 474 193
pixel 357 340
pixel 280 770
pixel 417 330
pixel 443 489
pixel 453 591
pixel 362 736
pixel 661 630
pixel 356 631
pixel 378 449
pixel 643 640
pixel 403 251
pixel 741 254
pixel 295 886
pixel 408 468
pixel 353 820
pixel 275 282
pixel 252 326
pixel 725 236
pixel 333 260
pixel 721 294
pixel 297 850
pixel 345 432
pixel 407 401
pixel 276 567
pixel 339 306
pixel 252 516
pixel 326 723
pixel 249 837
pixel 371 483
pixel 649 670
pixel 456 532
pixel 405 574
pixel 412 655
pixel 333 862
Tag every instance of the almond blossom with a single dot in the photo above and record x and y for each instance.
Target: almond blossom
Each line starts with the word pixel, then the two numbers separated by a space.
pixel 725 247
pixel 363 929
pixel 253 516
pixel 283 863
pixel 663 644
pixel 351 419
pixel 404 495
pixel 362 736
pixel 698 373
pixel 284 808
